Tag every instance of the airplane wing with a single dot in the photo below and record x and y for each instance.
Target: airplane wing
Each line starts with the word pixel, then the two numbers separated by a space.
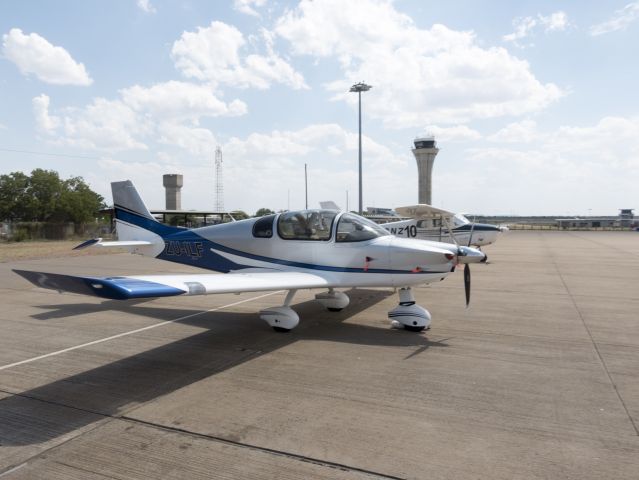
pixel 423 211
pixel 152 286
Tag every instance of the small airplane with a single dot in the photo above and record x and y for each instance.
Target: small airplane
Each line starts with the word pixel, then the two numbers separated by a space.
pixel 295 250
pixel 430 223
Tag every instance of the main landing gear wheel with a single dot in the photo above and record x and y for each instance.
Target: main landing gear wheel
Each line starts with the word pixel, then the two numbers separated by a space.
pixel 412 328
pixel 409 315
pixel 333 301
pixel 283 318
pixel 281 329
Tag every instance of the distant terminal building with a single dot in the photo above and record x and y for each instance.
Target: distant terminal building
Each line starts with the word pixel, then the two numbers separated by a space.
pixel 626 217
pixel 425 152
pixel 624 220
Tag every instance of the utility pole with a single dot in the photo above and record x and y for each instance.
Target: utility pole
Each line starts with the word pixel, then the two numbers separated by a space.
pixel 359 88
pixel 306 187
pixel 219 183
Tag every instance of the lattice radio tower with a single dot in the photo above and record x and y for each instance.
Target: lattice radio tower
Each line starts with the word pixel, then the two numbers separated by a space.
pixel 219 181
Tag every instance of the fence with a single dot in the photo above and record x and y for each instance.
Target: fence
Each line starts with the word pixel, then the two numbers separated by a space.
pixel 21 231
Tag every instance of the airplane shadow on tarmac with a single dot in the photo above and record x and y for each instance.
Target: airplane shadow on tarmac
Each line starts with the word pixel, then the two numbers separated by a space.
pixel 58 408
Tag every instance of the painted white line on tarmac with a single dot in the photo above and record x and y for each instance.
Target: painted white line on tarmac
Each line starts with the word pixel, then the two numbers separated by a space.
pixel 137 330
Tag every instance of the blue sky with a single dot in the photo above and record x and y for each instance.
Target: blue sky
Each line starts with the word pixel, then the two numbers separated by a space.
pixel 533 104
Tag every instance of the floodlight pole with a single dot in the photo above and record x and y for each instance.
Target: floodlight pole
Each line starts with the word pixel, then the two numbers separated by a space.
pixel 359 88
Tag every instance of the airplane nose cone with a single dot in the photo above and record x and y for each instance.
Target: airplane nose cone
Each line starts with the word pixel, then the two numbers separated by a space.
pixel 470 255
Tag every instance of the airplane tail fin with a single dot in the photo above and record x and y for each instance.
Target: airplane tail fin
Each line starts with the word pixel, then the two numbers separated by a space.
pixel 134 223
pixel 330 205
pixel 127 199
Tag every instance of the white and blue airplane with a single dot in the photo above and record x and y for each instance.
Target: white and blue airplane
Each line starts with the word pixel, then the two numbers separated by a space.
pixel 426 222
pixel 307 249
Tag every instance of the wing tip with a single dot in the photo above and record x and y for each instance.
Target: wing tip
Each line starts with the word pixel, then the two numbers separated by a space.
pixel 87 243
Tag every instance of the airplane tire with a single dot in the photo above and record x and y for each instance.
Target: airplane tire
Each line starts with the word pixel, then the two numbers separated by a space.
pixel 281 329
pixel 412 328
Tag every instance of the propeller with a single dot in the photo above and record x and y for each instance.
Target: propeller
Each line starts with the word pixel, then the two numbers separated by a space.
pixel 470 257
pixel 467 283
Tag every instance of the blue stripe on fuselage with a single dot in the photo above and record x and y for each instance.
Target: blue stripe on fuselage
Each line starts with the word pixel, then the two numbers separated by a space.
pixel 479 227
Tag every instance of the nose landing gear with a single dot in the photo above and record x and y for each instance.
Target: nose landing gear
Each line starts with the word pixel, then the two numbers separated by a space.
pixel 407 314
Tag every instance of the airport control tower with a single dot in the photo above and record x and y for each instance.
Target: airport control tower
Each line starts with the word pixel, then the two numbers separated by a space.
pixel 425 152
pixel 173 184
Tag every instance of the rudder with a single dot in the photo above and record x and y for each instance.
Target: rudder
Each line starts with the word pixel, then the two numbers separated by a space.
pixel 134 222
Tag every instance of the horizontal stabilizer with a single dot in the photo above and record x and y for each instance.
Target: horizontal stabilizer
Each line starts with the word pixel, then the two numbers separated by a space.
pixel 116 288
pixel 97 242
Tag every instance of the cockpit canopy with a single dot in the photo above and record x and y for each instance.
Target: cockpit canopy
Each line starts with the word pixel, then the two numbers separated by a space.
pixel 459 220
pixel 306 225
pixel 353 228
pixel 317 225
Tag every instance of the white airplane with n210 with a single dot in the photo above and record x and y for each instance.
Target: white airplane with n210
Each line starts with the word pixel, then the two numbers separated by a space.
pixel 306 249
pixel 430 223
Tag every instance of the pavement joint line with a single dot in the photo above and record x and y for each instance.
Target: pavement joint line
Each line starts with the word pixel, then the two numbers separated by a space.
pixel 97 424
pixel 272 451
pixel 131 332
pixel 108 418
pixel 594 344
pixel 13 469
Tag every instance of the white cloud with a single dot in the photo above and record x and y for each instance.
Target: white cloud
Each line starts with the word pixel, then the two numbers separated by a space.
pixel 523 27
pixel 620 20
pixel 274 161
pixel 420 77
pixel 175 99
pixel 3 126
pixel 564 171
pixel 197 141
pixel 104 125
pixel 44 121
pixel 137 117
pixel 557 21
pixel 517 132
pixel 455 133
pixel 145 5
pixel 33 54
pixel 214 54
pixel 526 26
pixel 246 6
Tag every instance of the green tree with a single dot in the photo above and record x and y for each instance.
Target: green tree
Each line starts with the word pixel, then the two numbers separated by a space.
pixel 78 203
pixel 44 193
pixel 13 188
pixel 262 212
pixel 45 197
pixel 239 215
